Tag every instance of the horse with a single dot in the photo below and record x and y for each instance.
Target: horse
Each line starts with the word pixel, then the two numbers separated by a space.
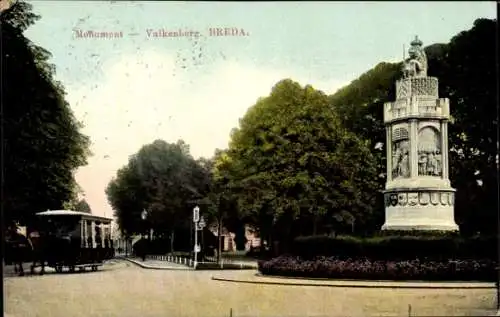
pixel 32 248
pixel 18 250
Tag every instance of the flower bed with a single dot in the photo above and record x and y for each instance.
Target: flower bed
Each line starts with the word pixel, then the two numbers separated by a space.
pixel 335 268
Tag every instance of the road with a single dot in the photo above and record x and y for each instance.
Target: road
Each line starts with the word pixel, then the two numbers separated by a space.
pixel 123 289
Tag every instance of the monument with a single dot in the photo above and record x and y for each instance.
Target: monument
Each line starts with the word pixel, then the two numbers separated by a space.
pixel 418 194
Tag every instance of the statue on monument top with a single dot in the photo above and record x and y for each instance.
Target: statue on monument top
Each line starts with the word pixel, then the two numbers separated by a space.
pixel 416 64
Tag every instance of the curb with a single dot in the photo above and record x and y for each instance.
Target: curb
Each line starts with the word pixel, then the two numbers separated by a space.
pixel 151 267
pixel 481 284
pixel 335 283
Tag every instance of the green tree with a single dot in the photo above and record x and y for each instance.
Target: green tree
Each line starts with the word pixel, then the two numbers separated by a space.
pixel 468 77
pixel 220 200
pixel 83 206
pixel 128 198
pixel 42 142
pixel 360 106
pixel 296 169
pixel 163 179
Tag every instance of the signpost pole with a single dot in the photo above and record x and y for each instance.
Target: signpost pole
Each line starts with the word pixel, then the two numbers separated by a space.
pixel 196 218
pixel 195 245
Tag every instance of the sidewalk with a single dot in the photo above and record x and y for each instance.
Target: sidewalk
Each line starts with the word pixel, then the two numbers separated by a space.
pixel 253 278
pixel 157 264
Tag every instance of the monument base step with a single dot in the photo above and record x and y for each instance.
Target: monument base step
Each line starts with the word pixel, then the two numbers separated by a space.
pixel 420 227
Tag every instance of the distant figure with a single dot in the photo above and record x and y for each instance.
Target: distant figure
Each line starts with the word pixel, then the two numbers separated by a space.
pixel 40 249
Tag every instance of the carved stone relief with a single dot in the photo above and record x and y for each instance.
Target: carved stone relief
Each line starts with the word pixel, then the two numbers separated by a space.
pixel 419 199
pixel 400 153
pixel 429 152
pixel 412 199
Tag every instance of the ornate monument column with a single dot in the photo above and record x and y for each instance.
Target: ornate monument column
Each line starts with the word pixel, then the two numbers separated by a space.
pixel 418 195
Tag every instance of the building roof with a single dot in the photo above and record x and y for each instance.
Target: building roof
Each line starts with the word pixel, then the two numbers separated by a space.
pixel 83 215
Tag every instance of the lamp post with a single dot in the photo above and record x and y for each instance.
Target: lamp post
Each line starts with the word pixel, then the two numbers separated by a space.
pixel 199 224
pixel 144 215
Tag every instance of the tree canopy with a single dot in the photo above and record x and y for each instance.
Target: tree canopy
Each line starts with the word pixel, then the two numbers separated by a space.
pixel 163 179
pixel 83 206
pixel 468 77
pixel 292 164
pixel 42 142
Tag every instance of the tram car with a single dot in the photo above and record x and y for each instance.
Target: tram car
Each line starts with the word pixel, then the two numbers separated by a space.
pixel 73 239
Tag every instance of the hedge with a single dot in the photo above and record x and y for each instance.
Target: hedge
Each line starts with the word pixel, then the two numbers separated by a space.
pixel 332 267
pixel 440 247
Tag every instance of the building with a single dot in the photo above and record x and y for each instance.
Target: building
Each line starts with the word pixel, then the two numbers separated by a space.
pixel 228 238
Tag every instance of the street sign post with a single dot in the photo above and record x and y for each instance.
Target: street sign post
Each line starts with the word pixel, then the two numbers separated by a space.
pixel 196 219
pixel 196 214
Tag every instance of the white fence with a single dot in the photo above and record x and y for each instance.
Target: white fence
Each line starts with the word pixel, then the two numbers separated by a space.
pixel 189 262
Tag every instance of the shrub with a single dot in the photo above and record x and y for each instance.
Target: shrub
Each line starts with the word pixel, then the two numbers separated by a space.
pixel 409 247
pixel 259 253
pixel 332 267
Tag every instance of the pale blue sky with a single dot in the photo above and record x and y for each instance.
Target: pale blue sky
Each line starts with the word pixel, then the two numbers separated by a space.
pixel 132 90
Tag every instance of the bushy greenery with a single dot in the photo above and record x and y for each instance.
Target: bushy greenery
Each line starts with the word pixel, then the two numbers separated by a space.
pixel 407 247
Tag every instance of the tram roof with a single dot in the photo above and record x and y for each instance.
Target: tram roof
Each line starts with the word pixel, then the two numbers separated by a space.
pixel 83 215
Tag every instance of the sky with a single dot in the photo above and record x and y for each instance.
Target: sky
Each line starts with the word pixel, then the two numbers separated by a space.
pixel 131 90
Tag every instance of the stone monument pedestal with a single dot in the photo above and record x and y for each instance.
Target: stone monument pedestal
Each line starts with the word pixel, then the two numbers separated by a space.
pixel 420 209
pixel 418 195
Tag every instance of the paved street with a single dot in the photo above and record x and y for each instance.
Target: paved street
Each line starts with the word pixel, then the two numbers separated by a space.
pixel 123 289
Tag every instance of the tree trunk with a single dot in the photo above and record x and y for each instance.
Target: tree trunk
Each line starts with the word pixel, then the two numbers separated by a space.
pixel 219 240
pixel 191 237
pixel 315 225
pixel 172 235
